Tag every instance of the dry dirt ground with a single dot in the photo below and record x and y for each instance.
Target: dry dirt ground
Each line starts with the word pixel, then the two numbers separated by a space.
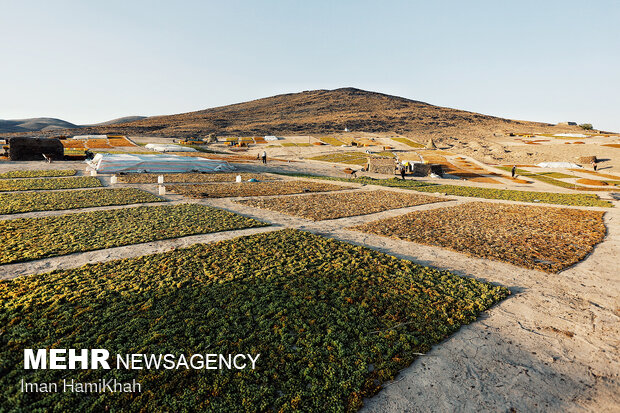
pixel 553 345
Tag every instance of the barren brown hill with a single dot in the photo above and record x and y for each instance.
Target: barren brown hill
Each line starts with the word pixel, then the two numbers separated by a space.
pixel 326 111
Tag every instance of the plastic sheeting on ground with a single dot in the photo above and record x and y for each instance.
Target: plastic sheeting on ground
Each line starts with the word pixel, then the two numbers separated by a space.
pixel 558 165
pixel 161 147
pixel 113 163
pixel 271 138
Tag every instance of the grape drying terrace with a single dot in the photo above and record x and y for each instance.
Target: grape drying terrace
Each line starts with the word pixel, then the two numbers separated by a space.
pixel 333 320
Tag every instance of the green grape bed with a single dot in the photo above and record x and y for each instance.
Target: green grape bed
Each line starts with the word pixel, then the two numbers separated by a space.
pixel 330 320
pixel 15 203
pixel 27 239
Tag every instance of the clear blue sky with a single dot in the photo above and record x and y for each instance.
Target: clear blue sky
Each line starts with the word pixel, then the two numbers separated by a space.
pixel 91 61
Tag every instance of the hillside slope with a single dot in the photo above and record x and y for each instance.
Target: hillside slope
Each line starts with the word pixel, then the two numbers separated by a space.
pixel 118 121
pixel 53 125
pixel 34 124
pixel 325 111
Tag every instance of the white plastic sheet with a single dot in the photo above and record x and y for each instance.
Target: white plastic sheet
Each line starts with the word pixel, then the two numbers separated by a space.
pixel 114 163
pixel 90 137
pixel 160 147
pixel 558 165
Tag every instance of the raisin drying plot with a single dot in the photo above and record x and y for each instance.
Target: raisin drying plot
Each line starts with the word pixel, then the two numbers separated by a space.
pixel 37 173
pixel 543 238
pixel 251 189
pixel 48 183
pixel 20 202
pixel 330 320
pixel 26 239
pixel 341 204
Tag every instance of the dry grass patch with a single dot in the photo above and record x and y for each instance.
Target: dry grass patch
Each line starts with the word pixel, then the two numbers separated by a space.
pixel 320 207
pixel 252 189
pixel 352 158
pixel 409 142
pixel 332 141
pixel 586 181
pixel 543 238
pixel 486 180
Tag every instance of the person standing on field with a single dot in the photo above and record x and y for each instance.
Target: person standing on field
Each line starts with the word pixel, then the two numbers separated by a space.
pixel 513 171
pixel 402 172
pixel 264 156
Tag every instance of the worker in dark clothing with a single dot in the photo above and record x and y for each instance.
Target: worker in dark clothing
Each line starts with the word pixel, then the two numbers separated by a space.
pixel 513 172
pixel 264 156
pixel 594 166
pixel 402 172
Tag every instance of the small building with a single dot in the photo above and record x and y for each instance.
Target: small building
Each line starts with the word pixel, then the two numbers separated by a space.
pixel 425 169
pixel 33 149
pixel 381 165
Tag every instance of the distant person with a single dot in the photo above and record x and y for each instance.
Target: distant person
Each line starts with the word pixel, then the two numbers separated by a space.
pixel 402 172
pixel 513 171
pixel 264 156
pixel 594 166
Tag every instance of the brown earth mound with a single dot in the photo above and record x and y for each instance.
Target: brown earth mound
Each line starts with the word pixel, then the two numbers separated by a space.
pixel 324 111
